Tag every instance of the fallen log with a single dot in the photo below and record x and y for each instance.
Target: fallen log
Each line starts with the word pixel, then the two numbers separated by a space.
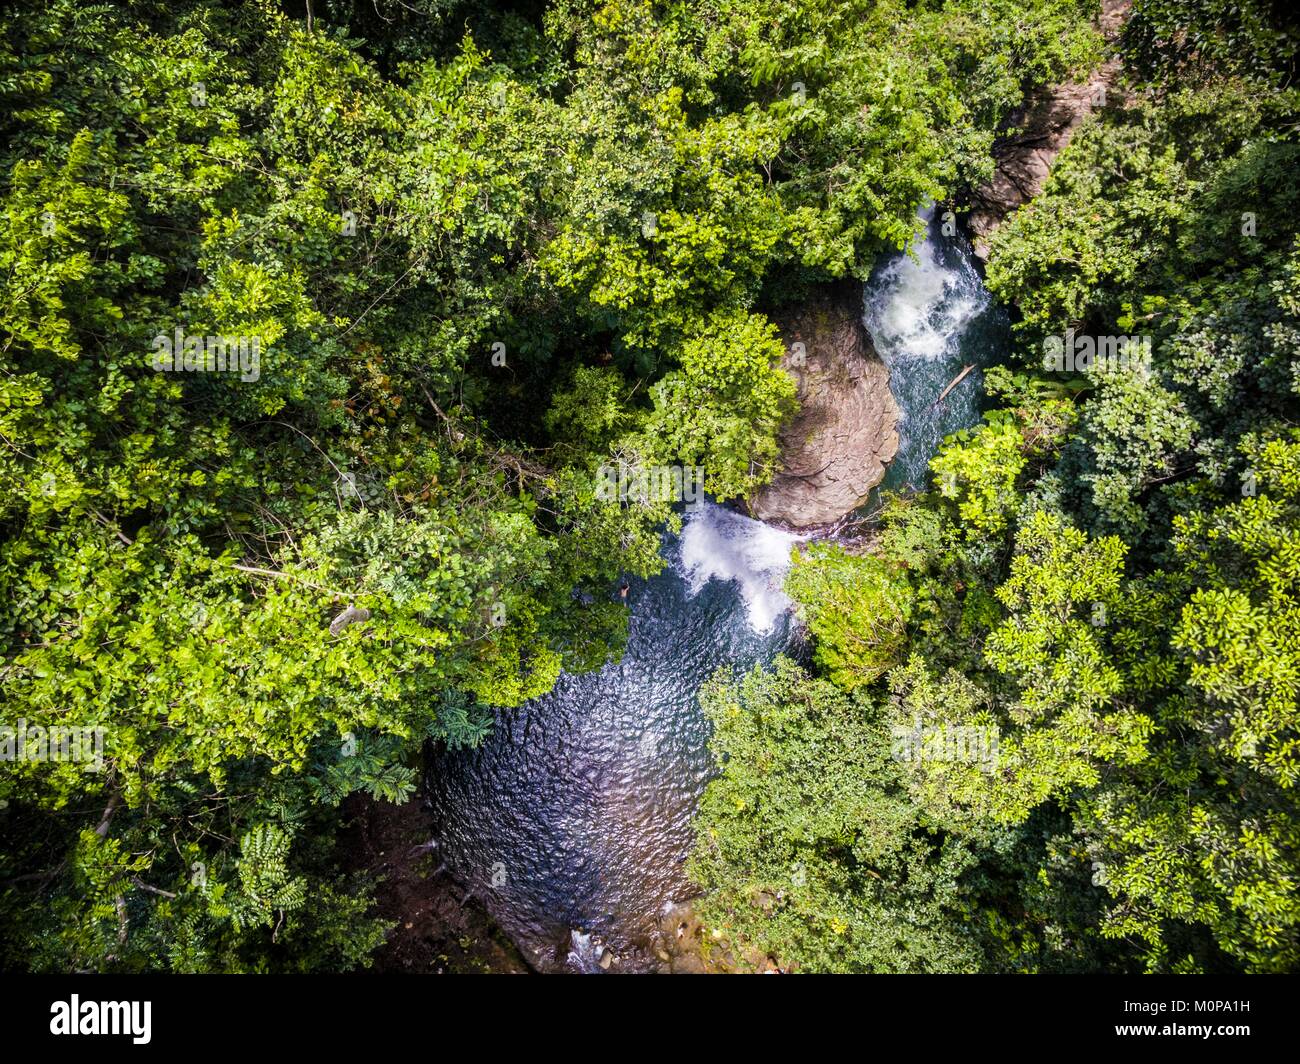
pixel 952 384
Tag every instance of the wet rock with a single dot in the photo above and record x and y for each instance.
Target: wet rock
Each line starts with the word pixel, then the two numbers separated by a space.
pixel 688 964
pixel 836 448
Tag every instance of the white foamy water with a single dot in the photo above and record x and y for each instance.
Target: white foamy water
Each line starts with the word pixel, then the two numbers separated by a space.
pixel 584 954
pixel 917 308
pixel 720 544
pixel 930 316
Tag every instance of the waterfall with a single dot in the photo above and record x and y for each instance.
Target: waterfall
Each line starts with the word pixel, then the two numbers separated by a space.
pixel 929 316
pixel 719 544
pixel 572 822
pixel 582 800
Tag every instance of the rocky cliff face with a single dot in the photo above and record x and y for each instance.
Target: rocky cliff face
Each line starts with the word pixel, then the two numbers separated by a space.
pixel 836 449
pixel 1038 133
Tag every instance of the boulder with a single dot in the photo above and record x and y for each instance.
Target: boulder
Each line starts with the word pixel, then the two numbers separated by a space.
pixel 834 451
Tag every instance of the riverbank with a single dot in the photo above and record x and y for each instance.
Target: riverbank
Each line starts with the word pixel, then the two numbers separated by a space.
pixel 435 930
pixel 1038 132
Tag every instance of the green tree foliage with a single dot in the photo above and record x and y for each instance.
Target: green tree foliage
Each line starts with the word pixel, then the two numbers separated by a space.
pixel 856 608
pixel 978 470
pixel 721 410
pixel 1202 38
pixel 808 845
pixel 1206 831
pixel 479 256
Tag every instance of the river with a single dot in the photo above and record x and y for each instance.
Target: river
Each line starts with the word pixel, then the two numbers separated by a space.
pixel 572 821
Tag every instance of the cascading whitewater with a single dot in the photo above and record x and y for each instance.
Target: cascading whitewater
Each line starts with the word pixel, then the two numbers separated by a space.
pixel 929 316
pixel 718 544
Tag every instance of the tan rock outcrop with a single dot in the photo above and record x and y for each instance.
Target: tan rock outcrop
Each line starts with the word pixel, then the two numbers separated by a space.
pixel 836 448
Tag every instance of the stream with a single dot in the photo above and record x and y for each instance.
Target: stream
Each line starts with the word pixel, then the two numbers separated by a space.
pixel 572 821
pixel 929 317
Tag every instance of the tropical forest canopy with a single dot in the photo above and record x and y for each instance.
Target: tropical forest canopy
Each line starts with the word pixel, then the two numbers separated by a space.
pixel 479 251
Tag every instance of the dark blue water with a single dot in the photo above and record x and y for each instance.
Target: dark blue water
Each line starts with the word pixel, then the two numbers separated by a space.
pixel 575 815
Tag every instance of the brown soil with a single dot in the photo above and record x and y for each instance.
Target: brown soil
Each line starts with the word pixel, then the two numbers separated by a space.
pixel 436 931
